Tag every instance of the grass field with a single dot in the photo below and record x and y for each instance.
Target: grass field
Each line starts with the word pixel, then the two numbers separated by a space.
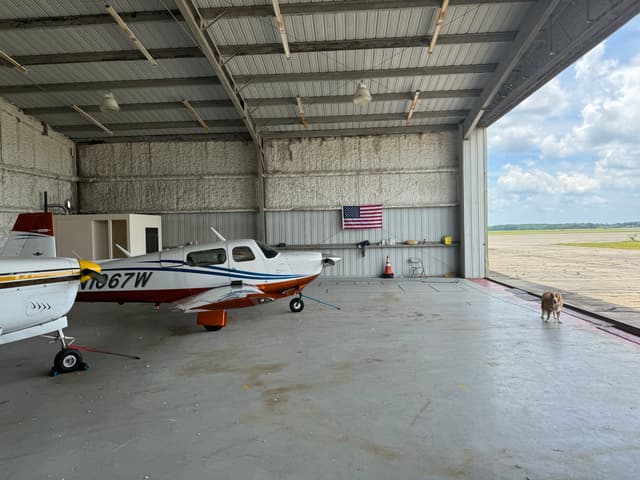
pixel 629 245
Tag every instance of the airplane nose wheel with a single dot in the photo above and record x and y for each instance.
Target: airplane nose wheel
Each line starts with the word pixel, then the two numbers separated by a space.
pixel 296 305
pixel 68 359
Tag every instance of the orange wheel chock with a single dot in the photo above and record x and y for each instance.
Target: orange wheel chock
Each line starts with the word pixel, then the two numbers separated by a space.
pixel 215 318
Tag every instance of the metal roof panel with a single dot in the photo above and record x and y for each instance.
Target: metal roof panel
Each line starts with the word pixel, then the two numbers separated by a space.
pixel 126 95
pixel 172 115
pixel 107 71
pixel 61 8
pixel 374 59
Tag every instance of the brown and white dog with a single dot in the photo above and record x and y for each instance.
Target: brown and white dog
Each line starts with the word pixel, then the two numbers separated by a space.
pixel 551 304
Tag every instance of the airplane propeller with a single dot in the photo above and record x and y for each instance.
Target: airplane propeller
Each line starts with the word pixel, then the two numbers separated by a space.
pixel 91 271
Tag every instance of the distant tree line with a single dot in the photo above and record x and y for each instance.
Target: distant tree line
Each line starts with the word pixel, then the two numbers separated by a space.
pixel 562 226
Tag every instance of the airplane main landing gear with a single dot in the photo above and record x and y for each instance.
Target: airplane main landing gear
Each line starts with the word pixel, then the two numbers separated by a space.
pixel 296 305
pixel 68 359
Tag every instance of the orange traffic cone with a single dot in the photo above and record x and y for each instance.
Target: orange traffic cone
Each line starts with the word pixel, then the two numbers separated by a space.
pixel 388 273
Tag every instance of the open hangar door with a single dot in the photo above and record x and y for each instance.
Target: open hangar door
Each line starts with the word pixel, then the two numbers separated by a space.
pixel 432 382
pixel 242 116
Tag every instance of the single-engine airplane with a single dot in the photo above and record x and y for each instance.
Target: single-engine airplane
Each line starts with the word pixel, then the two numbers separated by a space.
pixel 208 279
pixel 37 290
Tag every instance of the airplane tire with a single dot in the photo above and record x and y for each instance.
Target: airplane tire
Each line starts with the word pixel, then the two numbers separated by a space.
pixel 67 360
pixel 296 305
pixel 210 328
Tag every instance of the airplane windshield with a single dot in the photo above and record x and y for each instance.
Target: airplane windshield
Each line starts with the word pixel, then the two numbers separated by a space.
pixel 268 251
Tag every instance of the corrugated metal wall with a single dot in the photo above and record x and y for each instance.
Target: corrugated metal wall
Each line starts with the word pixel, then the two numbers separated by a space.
pixel 325 227
pixel 436 260
pixel 473 209
pixel 182 228
pixel 322 230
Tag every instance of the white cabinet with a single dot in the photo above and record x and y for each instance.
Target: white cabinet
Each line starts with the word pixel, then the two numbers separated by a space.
pixel 94 237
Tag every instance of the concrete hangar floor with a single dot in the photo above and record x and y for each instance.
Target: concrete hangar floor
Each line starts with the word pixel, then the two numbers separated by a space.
pixel 411 379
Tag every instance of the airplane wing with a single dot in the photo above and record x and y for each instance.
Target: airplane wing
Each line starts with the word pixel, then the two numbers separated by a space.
pixel 195 303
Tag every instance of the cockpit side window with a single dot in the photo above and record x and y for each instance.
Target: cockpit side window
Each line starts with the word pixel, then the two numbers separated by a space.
pixel 216 256
pixel 243 254
pixel 268 251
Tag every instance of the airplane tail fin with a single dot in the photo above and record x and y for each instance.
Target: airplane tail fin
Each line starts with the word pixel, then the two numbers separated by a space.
pixel 32 235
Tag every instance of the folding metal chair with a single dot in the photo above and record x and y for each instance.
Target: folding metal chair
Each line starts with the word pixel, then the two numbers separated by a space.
pixel 416 267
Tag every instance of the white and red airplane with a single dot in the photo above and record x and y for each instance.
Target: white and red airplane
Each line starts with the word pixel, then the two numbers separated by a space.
pixel 208 279
pixel 37 290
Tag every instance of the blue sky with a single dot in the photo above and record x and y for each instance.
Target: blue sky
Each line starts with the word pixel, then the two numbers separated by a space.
pixel 571 151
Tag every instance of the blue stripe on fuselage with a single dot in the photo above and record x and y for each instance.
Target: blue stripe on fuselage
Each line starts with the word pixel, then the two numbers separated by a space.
pixel 229 270
pixel 216 271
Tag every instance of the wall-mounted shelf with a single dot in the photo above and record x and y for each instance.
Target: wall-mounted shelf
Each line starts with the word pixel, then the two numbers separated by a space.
pixel 353 246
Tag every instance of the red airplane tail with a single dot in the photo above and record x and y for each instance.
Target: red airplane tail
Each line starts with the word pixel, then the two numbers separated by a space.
pixel 32 235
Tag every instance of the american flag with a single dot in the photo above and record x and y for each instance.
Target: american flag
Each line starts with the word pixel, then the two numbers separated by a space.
pixel 362 216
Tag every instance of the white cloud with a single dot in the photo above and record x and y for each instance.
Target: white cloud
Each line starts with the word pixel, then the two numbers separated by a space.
pixel 525 128
pixel 619 167
pixel 593 65
pixel 515 179
pixel 609 96
pixel 606 96
pixel 613 114
pixel 513 138
pixel 550 101
pixel 582 132
pixel 577 184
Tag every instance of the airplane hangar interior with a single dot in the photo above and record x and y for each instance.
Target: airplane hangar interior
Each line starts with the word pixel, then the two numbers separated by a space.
pixel 323 163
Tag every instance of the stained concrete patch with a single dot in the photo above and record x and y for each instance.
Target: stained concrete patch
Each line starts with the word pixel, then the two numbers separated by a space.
pixel 275 399
pixel 210 363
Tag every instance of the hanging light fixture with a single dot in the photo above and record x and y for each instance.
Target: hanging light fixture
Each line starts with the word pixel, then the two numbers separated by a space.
pixel 109 103
pixel 362 96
